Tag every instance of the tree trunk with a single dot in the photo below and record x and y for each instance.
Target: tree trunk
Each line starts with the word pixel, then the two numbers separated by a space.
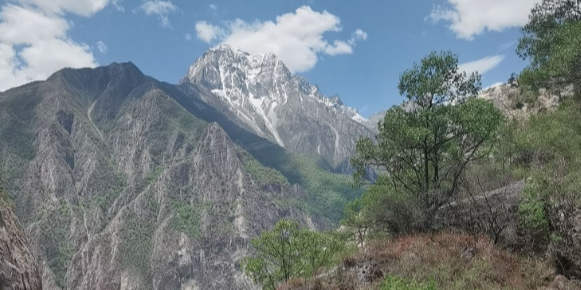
pixel 426 169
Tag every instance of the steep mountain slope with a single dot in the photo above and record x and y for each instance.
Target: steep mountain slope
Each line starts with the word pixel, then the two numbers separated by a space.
pixel 261 95
pixel 326 193
pixel 374 119
pixel 18 268
pixel 122 184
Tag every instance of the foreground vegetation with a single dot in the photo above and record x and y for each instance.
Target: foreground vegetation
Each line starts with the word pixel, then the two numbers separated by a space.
pixel 429 262
pixel 444 150
pixel 289 251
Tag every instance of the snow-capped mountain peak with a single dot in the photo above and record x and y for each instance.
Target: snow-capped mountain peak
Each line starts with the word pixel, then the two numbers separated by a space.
pixel 260 92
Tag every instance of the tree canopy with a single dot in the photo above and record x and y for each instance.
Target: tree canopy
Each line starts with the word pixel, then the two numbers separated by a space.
pixel 425 145
pixel 288 251
pixel 552 42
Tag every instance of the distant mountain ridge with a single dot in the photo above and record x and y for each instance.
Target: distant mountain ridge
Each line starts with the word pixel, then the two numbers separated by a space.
pixel 259 93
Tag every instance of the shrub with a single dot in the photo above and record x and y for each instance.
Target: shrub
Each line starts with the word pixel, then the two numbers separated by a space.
pixel 289 251
pixel 532 209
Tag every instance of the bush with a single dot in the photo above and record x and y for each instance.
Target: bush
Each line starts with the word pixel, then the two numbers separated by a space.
pixel 390 211
pixel 532 209
pixel 289 251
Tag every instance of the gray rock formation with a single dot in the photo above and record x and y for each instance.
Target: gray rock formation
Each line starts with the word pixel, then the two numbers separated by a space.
pixel 261 95
pixel 122 186
pixel 374 119
pixel 494 213
pixel 18 268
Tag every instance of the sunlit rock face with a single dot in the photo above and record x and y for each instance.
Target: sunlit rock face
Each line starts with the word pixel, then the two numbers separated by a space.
pixel 18 268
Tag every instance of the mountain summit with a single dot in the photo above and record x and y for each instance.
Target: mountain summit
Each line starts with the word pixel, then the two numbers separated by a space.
pixel 258 92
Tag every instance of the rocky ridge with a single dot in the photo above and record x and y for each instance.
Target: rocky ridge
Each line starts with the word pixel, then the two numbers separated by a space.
pixel 260 94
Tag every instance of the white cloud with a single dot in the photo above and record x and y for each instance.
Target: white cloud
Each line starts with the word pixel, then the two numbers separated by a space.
pixel 208 32
pixel 469 18
pixel 79 7
pixel 481 66
pixel 188 37
pixel 498 84
pixel 507 45
pixel 101 47
pixel 296 38
pixel 117 5
pixel 338 47
pixel 160 8
pixel 34 41
pixel 213 7
pixel 358 35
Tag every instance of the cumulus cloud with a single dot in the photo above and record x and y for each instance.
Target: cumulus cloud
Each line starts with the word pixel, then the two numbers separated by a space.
pixel 101 47
pixel 34 42
pixel 208 32
pixel 469 18
pixel 296 38
pixel 481 66
pixel 160 8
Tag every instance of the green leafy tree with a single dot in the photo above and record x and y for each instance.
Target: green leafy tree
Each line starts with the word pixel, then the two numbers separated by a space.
pixel 424 146
pixel 288 251
pixel 552 42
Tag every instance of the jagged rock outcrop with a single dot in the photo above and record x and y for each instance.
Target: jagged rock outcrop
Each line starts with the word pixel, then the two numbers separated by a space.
pixel 565 216
pixel 374 120
pixel 120 185
pixel 260 94
pixel 494 213
pixel 18 268
pixel 519 104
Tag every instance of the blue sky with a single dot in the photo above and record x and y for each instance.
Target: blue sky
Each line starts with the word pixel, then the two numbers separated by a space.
pixel 359 47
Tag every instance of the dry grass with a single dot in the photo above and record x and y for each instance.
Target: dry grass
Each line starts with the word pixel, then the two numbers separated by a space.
pixel 454 261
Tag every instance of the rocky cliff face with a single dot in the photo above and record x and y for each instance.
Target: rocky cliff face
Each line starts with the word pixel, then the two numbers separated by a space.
pixel 509 99
pixel 18 268
pixel 517 103
pixel 122 186
pixel 260 94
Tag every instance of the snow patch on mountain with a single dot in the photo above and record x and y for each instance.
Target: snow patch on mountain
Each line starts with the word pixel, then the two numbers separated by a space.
pixel 284 108
pixel 359 119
